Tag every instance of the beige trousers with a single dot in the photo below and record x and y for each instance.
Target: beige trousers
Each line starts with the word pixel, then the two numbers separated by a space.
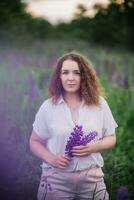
pixel 79 185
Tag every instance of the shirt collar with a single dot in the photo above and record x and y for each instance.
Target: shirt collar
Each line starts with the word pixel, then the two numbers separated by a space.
pixel 83 102
pixel 61 100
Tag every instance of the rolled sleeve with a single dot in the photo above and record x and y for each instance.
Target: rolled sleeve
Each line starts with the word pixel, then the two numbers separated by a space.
pixel 109 123
pixel 40 123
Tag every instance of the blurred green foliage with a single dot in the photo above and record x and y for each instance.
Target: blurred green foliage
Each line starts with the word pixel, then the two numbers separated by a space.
pixel 111 26
pixel 16 23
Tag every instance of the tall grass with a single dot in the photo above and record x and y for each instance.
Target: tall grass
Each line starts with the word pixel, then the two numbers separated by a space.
pixel 24 75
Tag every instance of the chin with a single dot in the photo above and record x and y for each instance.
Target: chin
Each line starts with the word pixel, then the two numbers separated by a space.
pixel 71 91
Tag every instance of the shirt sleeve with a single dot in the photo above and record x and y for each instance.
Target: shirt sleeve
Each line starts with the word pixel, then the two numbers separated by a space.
pixel 40 124
pixel 109 123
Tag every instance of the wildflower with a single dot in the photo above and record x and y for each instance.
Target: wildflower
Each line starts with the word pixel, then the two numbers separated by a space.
pixel 77 138
pixel 126 80
pixel 122 193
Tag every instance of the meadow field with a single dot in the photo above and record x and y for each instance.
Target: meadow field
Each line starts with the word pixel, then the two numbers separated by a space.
pixel 25 70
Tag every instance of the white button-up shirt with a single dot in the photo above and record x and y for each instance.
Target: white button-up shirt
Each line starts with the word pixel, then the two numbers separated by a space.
pixel 53 122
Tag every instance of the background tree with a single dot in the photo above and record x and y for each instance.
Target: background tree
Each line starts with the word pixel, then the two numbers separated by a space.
pixel 15 22
pixel 108 25
pixel 128 8
pixel 80 11
pixel 112 25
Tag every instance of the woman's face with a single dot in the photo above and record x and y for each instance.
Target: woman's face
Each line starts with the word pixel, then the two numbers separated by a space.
pixel 70 76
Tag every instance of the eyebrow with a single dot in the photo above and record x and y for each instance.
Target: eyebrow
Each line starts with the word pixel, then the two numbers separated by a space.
pixel 76 70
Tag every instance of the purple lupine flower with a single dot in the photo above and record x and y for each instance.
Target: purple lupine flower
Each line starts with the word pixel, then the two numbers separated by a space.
pixel 112 71
pixel 122 193
pixel 32 90
pixel 5 89
pixel 97 71
pixel 126 80
pixel 52 60
pixel 77 138
pixel 88 138
pixel 20 58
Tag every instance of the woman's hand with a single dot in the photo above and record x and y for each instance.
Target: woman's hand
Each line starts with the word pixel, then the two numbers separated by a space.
pixel 84 150
pixel 95 146
pixel 59 161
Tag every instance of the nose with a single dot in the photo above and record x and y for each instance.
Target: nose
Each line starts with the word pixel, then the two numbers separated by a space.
pixel 70 76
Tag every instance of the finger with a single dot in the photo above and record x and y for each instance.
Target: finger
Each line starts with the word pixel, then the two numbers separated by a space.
pixel 64 160
pixel 61 167
pixel 66 157
pixel 78 147
pixel 79 150
pixel 62 164
pixel 80 154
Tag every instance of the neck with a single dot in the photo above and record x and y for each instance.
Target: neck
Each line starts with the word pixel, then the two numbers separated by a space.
pixel 72 99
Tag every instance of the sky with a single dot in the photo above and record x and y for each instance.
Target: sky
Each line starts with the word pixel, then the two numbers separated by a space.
pixel 57 10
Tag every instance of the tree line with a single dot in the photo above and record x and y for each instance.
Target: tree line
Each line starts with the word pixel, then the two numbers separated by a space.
pixel 111 26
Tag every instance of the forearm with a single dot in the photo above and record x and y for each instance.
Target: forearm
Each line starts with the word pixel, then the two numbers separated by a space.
pixel 41 151
pixel 103 144
pixel 38 147
pixel 60 161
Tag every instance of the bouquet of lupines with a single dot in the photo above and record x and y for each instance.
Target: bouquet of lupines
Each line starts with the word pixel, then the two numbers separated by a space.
pixel 77 138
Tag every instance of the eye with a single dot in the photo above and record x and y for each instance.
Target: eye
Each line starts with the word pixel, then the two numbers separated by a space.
pixel 77 72
pixel 65 72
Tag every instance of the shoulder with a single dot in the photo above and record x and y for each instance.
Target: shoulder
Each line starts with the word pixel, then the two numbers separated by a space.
pixel 47 102
pixel 46 105
pixel 104 105
pixel 103 102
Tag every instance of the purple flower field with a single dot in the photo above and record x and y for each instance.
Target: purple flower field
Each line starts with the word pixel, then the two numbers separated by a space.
pixel 24 76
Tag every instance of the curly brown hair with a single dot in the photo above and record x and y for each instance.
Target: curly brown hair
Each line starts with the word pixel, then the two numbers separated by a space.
pixel 90 89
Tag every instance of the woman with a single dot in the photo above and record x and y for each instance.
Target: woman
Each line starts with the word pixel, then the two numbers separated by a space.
pixel 76 98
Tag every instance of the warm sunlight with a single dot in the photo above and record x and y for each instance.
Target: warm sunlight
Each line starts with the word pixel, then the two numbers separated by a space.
pixel 58 10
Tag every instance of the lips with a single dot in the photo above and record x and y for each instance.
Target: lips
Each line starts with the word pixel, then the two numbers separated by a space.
pixel 71 85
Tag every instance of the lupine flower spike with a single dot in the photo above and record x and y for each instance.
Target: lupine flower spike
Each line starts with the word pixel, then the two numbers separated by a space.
pixel 77 138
